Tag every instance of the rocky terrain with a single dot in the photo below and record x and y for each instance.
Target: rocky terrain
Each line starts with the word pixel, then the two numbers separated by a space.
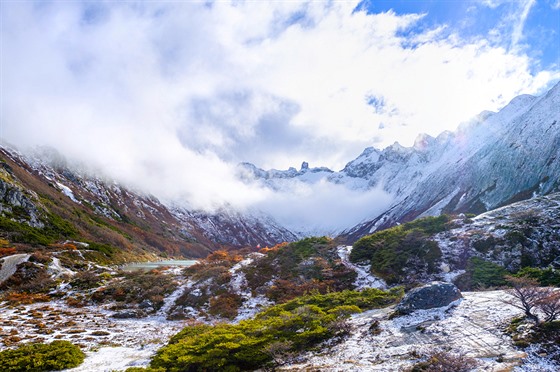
pixel 473 326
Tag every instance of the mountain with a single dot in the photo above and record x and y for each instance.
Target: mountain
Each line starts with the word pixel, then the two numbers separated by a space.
pixel 43 202
pixel 495 159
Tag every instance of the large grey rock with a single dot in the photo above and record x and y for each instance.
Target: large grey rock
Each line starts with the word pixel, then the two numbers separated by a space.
pixel 435 294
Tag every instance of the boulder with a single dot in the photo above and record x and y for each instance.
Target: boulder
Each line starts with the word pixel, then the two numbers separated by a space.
pixel 435 294
pixel 128 314
pixel 145 304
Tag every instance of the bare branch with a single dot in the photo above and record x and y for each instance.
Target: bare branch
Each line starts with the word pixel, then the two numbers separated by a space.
pixel 526 295
pixel 550 304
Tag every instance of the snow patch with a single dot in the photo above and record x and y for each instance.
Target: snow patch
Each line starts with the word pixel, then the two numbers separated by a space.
pixel 364 278
pixel 68 192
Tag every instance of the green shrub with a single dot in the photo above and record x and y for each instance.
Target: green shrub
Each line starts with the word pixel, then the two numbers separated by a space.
pixel 546 277
pixel 481 274
pixel 369 298
pixel 106 249
pixel 486 274
pixel 56 228
pixel 429 225
pixel 484 245
pixel 391 252
pixel 297 325
pixel 55 356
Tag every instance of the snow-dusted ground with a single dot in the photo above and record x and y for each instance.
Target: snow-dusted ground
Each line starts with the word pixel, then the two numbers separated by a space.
pixel 474 327
pixel 364 278
pixel 118 358
pixel 110 344
pixel 251 304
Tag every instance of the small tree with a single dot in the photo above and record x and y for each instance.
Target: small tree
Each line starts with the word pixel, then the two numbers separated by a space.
pixel 526 295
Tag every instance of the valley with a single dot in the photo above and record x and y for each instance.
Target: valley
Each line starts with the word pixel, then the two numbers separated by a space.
pixel 142 284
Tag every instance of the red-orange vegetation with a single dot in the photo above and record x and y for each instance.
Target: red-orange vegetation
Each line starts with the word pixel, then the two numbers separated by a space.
pixel 217 256
pixel 70 247
pixel 7 251
pixel 25 298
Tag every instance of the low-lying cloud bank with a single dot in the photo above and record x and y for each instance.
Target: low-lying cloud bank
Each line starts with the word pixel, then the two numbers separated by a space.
pixel 323 208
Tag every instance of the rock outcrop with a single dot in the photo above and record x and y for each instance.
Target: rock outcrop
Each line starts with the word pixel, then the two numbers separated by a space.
pixel 435 294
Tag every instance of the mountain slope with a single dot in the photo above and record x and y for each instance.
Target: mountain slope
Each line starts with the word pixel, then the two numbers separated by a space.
pixel 505 157
pixel 48 199
pixel 473 253
pixel 493 160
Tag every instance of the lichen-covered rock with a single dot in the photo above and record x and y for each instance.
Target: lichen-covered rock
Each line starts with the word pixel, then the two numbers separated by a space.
pixel 435 294
pixel 12 197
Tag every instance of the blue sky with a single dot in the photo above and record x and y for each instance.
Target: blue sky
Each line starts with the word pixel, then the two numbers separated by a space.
pixel 140 90
pixel 493 20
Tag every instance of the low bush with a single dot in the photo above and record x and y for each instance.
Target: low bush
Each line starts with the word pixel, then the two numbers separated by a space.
pixel 481 274
pixel 440 361
pixel 136 287
pixel 545 277
pixel 278 331
pixel 55 356
pixel 294 269
pixel 29 277
pixel 225 305
pixel 106 249
pixel 24 298
pixel 402 251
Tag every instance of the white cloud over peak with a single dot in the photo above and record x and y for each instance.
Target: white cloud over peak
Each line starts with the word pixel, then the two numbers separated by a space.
pixel 168 96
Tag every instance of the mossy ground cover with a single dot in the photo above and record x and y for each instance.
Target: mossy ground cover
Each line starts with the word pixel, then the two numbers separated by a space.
pixel 296 325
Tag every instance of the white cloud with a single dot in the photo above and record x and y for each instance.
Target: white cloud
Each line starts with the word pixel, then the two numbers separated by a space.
pixel 323 207
pixel 517 34
pixel 168 96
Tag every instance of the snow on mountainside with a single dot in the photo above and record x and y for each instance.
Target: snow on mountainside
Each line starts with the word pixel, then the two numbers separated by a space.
pixel 493 160
pixel 506 157
pixel 92 203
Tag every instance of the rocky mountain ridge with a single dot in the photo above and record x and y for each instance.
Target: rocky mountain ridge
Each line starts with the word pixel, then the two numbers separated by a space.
pixel 493 160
